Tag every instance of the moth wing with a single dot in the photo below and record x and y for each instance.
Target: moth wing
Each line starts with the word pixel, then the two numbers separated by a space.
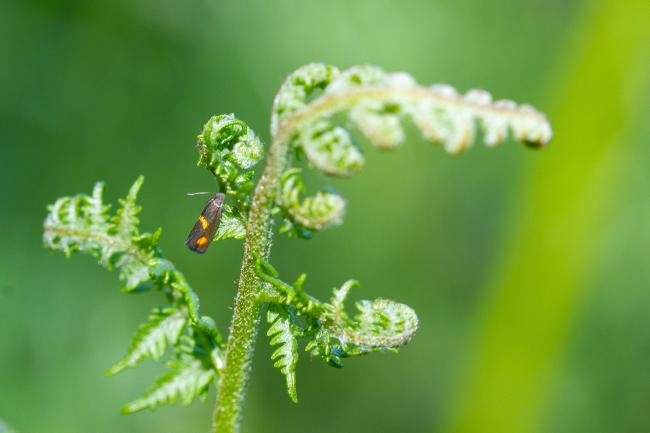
pixel 206 226
pixel 192 240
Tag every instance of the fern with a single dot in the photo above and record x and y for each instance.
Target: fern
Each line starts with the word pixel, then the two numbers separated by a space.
pixel 229 149
pixel 82 224
pixel 305 215
pixel 187 379
pixel 152 338
pixel 377 103
pixel 316 115
pixel 281 331
pixel 381 325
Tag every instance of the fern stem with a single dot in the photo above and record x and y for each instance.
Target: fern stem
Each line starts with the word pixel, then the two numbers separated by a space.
pixel 246 314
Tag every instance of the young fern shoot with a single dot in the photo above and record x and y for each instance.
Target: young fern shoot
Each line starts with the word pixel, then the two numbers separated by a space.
pixel 302 125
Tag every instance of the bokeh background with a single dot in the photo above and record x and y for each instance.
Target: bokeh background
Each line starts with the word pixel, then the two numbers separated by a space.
pixel 528 269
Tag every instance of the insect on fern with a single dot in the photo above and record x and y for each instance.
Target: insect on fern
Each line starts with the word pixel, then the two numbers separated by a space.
pixel 306 124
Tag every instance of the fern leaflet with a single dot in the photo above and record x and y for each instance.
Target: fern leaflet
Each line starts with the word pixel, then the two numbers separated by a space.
pixel 187 379
pixel 150 341
pixel 281 331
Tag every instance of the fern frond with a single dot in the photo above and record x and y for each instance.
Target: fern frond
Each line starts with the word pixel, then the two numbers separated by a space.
pixel 285 356
pixel 285 293
pixel 337 301
pixel 230 227
pixel 229 149
pixel 226 139
pixel 150 341
pixel 188 379
pixel 125 223
pixel 82 223
pixel 97 210
pixel 299 86
pixel 313 213
pixel 377 102
pixel 380 325
pixel 330 149
pixel 380 123
pixel 305 122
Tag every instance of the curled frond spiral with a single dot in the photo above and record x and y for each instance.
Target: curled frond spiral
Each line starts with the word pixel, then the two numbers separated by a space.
pixel 307 123
pixel 229 149
pixel 377 103
pixel 315 212
pixel 328 332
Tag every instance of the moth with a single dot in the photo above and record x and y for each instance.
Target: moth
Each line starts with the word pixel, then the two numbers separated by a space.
pixel 206 226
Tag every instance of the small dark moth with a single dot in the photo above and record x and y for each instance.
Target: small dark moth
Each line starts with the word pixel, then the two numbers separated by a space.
pixel 206 226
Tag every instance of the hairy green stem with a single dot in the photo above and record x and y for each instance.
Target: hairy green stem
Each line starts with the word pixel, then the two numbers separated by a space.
pixel 243 328
pixel 246 312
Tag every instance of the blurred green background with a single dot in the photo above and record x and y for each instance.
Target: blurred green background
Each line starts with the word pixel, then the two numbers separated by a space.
pixel 529 270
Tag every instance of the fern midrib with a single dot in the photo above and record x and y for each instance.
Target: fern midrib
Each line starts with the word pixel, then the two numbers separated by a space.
pixel 100 238
pixel 327 105
pixel 393 340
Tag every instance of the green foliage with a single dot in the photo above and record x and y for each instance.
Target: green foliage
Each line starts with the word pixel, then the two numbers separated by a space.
pixel 296 90
pixel 376 104
pixel 231 227
pixel 82 224
pixel 152 338
pixel 189 376
pixel 329 333
pixel 442 115
pixel 304 124
pixel 281 330
pixel 229 148
pixel 330 149
pixel 313 213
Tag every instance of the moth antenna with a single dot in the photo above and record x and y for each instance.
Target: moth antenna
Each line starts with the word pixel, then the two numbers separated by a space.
pixel 199 193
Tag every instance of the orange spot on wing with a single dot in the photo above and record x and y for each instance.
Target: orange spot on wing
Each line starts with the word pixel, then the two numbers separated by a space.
pixel 203 221
pixel 202 241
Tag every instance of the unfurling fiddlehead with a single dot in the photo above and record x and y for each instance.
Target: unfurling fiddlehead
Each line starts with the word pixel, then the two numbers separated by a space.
pixel 329 332
pixel 230 149
pixel 376 103
pixel 315 115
